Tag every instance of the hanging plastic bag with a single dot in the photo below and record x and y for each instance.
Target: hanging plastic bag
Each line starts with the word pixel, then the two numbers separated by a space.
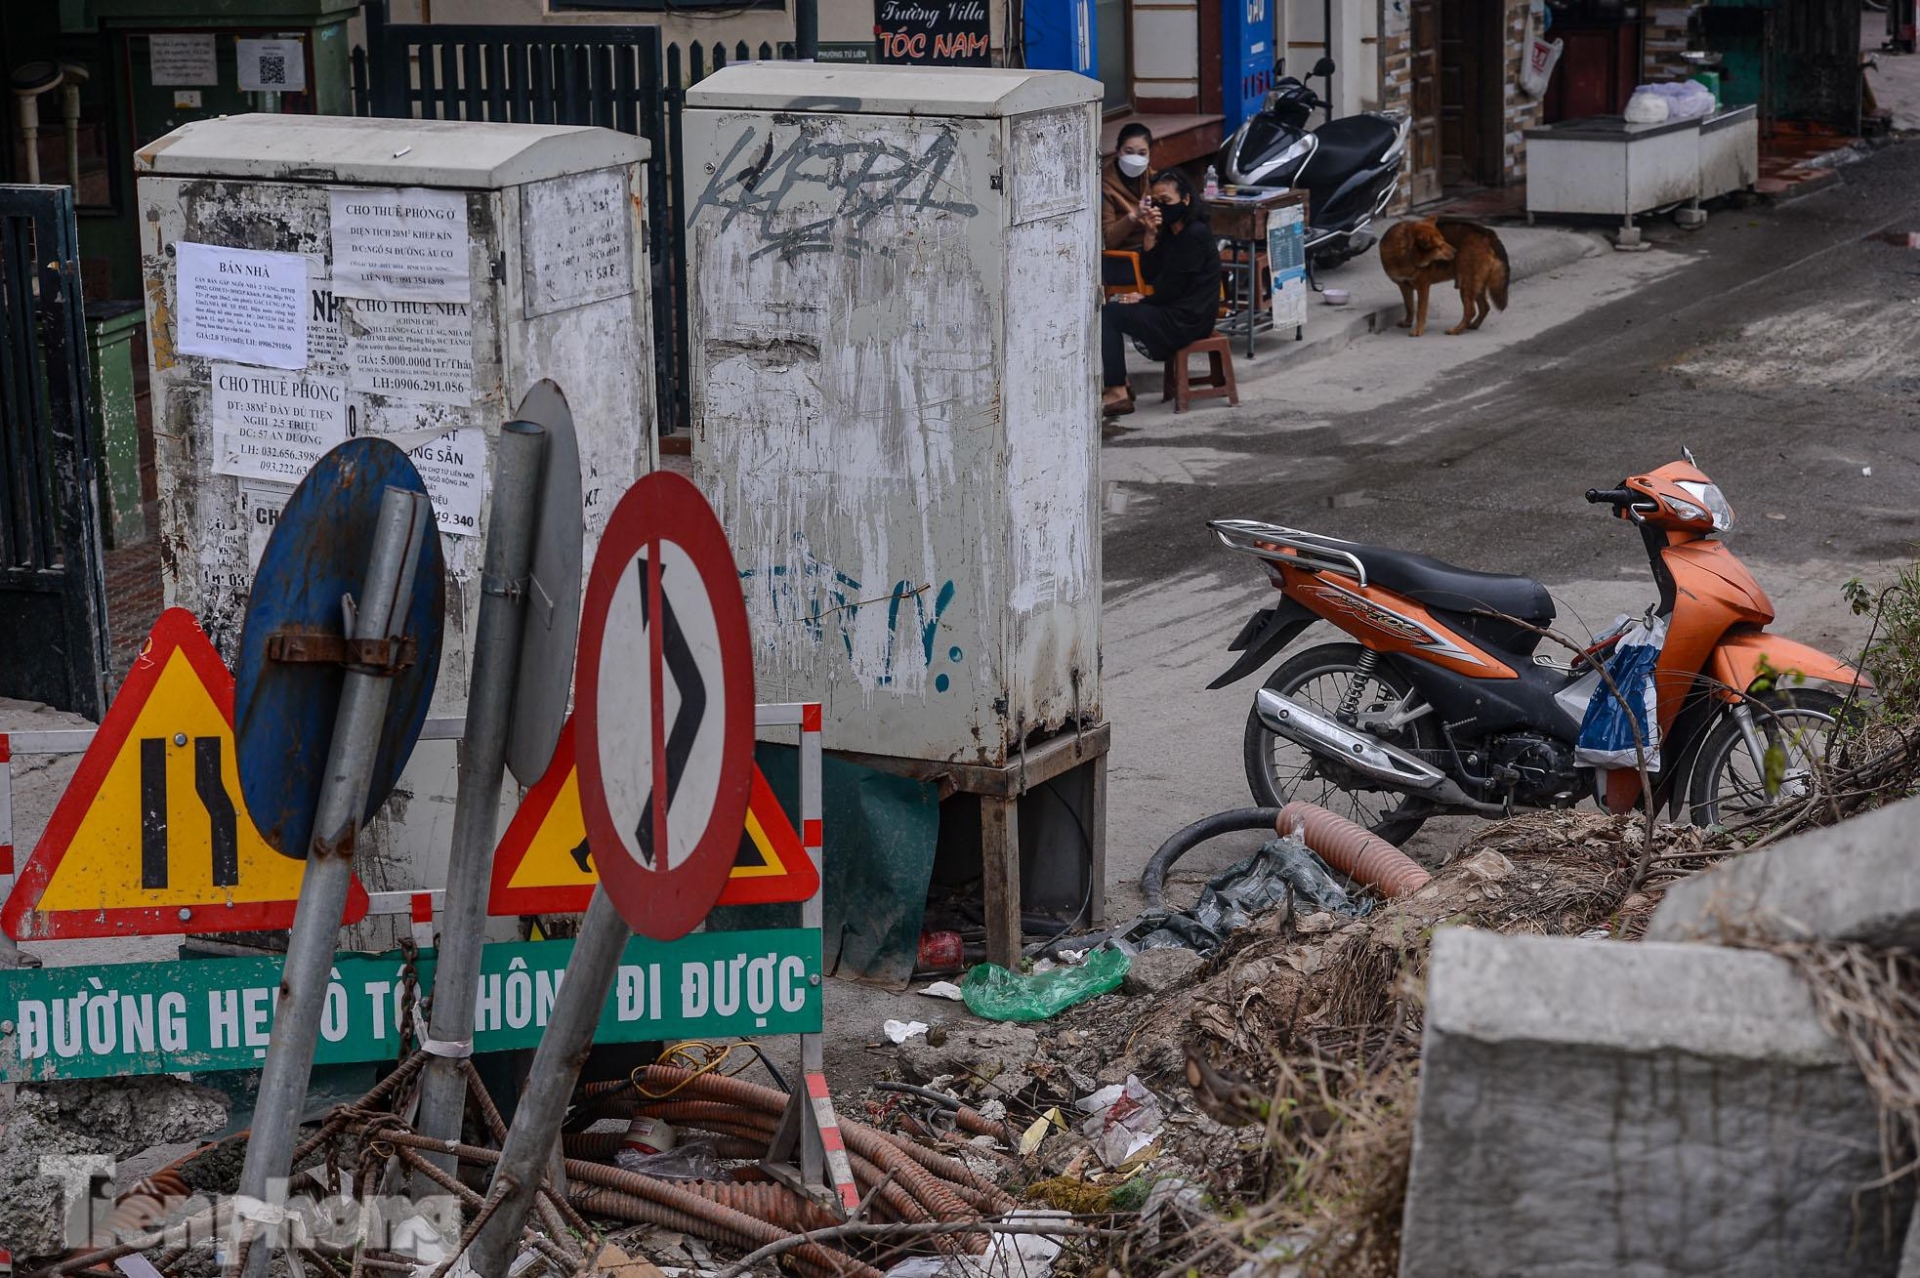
pixel 1536 69
pixel 1613 734
pixel 991 991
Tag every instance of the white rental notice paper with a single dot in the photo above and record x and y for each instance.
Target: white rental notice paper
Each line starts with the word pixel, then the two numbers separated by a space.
pixel 274 425
pixel 454 467
pixel 326 336
pixel 181 59
pixel 410 350
pixel 241 304
pixel 400 243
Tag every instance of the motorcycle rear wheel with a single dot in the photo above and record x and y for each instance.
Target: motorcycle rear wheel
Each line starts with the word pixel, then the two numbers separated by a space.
pixel 1277 769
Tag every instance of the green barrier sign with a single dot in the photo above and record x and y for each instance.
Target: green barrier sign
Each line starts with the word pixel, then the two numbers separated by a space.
pixel 193 1016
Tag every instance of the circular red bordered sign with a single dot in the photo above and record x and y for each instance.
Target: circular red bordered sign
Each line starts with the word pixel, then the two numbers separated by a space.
pixel 663 712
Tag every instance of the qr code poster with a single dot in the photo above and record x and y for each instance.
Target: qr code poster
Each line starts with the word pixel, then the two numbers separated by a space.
pixel 273 66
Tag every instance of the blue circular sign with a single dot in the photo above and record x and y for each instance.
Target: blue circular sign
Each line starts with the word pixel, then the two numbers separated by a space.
pixel 284 710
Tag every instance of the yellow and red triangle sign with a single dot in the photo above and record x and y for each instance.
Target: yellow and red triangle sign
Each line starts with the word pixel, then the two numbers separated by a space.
pixel 151 836
pixel 543 864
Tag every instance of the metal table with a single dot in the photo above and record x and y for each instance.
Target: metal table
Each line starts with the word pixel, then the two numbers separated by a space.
pixel 1239 216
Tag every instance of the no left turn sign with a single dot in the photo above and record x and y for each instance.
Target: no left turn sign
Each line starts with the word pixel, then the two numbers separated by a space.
pixel 664 708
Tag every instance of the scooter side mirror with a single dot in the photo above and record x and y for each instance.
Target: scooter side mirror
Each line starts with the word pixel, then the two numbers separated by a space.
pixel 1323 67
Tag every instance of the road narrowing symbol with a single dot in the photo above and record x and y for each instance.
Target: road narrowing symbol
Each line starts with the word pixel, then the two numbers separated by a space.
pixel 543 865
pixel 150 837
pixel 664 707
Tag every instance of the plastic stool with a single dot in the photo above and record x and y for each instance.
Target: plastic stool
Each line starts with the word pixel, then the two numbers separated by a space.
pixel 1182 389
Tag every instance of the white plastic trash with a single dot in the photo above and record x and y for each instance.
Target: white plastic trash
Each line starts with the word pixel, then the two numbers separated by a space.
pixel 1646 107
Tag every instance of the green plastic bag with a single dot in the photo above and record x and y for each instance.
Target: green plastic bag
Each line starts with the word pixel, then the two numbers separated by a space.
pixel 999 995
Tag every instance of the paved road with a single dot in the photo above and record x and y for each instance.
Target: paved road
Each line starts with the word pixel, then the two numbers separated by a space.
pixel 1774 343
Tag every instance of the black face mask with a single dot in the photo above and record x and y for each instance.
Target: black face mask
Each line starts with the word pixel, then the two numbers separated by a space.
pixel 1176 212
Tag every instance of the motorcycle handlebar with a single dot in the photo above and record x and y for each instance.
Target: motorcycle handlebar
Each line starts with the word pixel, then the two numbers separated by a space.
pixel 1610 496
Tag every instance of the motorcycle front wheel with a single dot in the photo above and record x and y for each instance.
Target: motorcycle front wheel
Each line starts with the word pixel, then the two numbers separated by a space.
pixel 1735 777
pixel 1279 771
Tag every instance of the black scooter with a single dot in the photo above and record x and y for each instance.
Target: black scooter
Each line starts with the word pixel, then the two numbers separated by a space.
pixel 1347 167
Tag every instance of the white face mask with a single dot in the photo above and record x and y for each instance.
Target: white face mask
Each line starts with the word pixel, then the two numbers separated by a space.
pixel 1133 165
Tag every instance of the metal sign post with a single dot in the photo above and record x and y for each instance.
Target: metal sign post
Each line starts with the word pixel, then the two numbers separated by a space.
pixel 551 629
pixel 809 1128
pixel 665 718
pixel 405 521
pixel 535 1132
pixel 496 662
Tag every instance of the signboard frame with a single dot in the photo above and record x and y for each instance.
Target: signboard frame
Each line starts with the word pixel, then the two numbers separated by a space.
pixel 424 903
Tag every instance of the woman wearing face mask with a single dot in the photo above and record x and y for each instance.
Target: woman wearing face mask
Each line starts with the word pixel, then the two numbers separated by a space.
pixel 1124 204
pixel 1182 262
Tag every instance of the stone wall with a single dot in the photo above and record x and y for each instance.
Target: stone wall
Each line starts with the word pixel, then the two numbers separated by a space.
pixel 1663 41
pixel 1520 111
pixel 1396 80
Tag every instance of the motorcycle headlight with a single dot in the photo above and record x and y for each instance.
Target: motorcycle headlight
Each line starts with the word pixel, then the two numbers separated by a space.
pixel 1710 496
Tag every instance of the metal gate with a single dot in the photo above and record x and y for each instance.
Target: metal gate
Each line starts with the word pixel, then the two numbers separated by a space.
pixel 616 77
pixel 53 590
pixel 605 76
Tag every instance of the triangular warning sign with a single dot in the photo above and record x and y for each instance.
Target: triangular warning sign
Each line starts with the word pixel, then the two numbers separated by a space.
pixel 151 837
pixel 543 865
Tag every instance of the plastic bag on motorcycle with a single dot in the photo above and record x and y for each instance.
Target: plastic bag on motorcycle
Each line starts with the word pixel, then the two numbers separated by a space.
pixel 1617 727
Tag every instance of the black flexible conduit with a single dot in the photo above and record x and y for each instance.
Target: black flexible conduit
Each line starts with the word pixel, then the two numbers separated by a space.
pixel 1153 880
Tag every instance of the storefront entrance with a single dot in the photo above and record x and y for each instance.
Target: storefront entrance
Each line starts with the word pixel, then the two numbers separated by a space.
pixel 1600 64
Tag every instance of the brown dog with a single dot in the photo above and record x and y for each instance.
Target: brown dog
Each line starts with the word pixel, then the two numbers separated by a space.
pixel 1419 254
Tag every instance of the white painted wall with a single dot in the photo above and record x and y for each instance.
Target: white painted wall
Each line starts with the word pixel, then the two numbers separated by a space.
pixel 1354 48
pixel 1166 51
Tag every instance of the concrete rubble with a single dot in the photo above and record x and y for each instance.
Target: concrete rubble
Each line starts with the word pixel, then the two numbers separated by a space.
pixel 992 1055
pixel 1653 1109
pixel 1670 1107
pixel 93 1124
pixel 1852 882
pixel 1156 971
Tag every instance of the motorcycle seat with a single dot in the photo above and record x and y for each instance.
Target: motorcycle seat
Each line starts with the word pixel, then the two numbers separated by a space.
pixel 1449 589
pixel 1352 143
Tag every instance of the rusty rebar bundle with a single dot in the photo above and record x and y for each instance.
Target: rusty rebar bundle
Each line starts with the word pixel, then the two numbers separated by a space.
pixel 903 1183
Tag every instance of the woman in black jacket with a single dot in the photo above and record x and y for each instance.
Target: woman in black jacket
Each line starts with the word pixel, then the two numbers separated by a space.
pixel 1182 262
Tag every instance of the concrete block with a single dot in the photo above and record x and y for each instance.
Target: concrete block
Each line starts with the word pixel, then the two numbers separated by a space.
pixel 1600 1108
pixel 1155 971
pixel 1855 881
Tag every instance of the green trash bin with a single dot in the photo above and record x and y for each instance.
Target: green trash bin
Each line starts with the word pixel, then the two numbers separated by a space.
pixel 111 327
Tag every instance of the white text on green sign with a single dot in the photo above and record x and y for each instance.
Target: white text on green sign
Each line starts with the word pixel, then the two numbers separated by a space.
pixel 197 1015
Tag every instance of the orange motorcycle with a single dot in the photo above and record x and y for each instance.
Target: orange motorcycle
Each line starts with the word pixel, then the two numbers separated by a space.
pixel 1453 699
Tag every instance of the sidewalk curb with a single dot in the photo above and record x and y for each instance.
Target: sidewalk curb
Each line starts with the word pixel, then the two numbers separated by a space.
pixel 1330 330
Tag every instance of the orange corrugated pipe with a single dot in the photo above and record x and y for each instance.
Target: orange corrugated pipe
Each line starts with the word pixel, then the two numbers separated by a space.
pixel 746 1232
pixel 928 1190
pixel 1354 850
